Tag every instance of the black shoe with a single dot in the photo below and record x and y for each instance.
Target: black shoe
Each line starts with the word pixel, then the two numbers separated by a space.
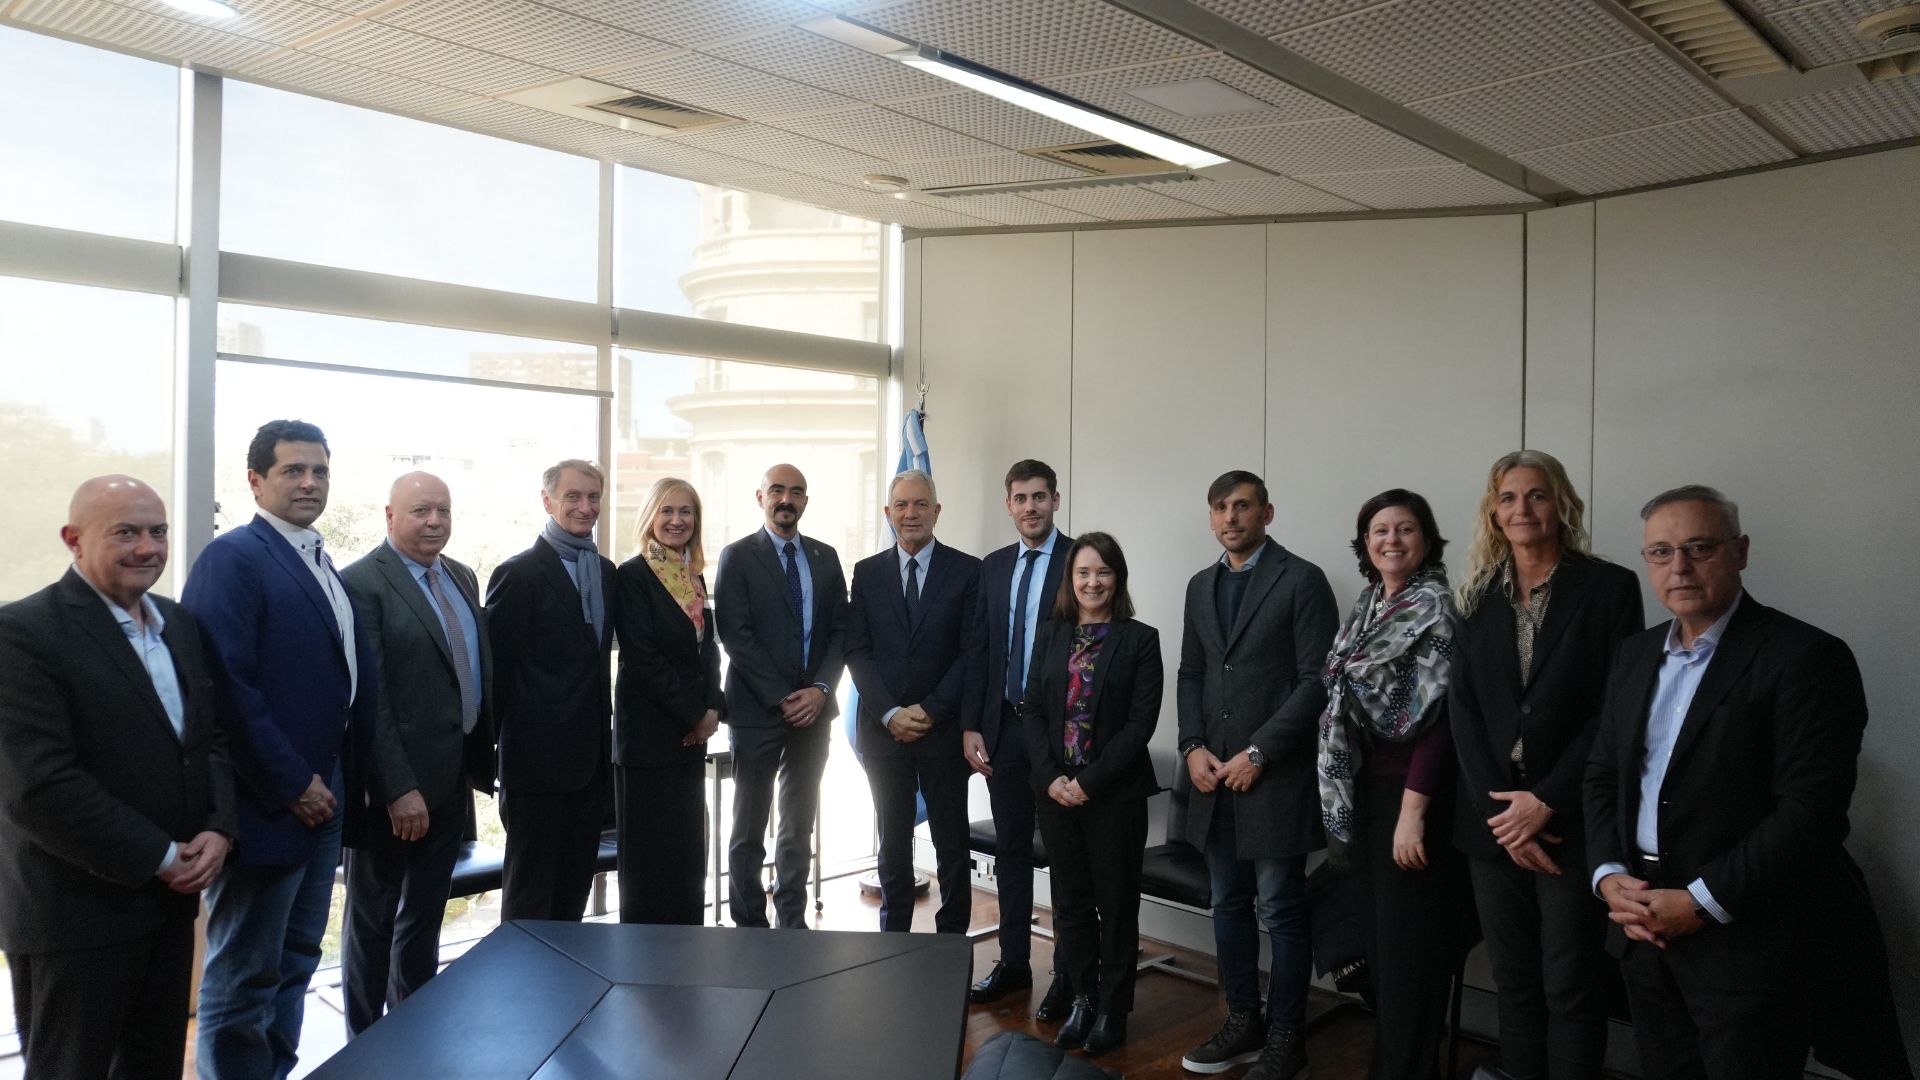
pixel 1053 1008
pixel 1074 1032
pixel 1284 1058
pixel 1109 1031
pixel 1000 982
pixel 1238 1041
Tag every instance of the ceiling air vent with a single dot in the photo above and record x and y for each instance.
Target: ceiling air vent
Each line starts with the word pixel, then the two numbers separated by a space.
pixel 1104 158
pixel 659 112
pixel 1711 34
pixel 1896 30
pixel 617 106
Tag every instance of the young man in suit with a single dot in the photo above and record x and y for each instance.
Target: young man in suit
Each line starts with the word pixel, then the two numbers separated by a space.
pixel 781 608
pixel 550 619
pixel 1717 789
pixel 118 802
pixel 1259 623
pixel 422 613
pixel 296 672
pixel 1018 584
pixel 910 644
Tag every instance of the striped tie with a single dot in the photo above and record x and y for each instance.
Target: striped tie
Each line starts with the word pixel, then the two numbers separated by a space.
pixel 457 643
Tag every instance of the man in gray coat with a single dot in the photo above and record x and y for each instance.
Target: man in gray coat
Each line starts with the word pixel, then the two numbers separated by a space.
pixel 1259 623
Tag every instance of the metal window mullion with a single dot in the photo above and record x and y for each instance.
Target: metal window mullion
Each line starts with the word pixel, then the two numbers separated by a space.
pixel 196 319
pixel 603 351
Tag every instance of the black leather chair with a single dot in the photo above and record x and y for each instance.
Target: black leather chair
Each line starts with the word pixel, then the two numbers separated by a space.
pixel 984 844
pixel 1176 873
pixel 1016 1055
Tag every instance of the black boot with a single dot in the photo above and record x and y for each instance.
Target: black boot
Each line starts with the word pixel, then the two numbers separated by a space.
pixel 1053 1008
pixel 1109 1031
pixel 1079 1022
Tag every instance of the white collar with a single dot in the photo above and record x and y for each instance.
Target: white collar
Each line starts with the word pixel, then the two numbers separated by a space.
pixel 302 538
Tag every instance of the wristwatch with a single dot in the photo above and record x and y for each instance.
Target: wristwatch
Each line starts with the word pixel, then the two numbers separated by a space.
pixel 1258 759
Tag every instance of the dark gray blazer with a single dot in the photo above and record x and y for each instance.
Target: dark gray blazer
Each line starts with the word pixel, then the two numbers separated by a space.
pixel 1260 686
pixel 761 632
pixel 418 742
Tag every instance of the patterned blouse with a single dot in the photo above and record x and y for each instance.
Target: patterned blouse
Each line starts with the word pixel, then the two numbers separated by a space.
pixel 1528 613
pixel 1077 735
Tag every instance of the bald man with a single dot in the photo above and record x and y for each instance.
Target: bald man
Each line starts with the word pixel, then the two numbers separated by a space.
pixel 116 802
pixel 434 738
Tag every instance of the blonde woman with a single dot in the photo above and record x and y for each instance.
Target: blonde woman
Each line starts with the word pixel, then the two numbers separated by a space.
pixel 1540 618
pixel 667 704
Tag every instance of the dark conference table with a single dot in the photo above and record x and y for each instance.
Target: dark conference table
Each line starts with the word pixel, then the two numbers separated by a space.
pixel 572 1001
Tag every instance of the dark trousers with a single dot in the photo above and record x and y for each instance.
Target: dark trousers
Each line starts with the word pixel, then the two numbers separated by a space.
pixel 1546 944
pixel 553 842
pixel 1010 789
pixel 1687 1028
pixel 1413 946
pixel 396 901
pixel 116 1012
pixel 795 757
pixel 663 844
pixel 1093 855
pixel 1273 891
pixel 942 780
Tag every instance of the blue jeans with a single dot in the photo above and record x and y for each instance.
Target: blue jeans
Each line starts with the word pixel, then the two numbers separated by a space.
pixel 1275 889
pixel 264 925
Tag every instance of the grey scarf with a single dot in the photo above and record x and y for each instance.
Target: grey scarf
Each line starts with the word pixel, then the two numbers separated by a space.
pixel 571 548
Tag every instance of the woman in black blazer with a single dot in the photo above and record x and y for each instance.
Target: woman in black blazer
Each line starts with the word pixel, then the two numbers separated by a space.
pixel 1541 619
pixel 1093 698
pixel 667 704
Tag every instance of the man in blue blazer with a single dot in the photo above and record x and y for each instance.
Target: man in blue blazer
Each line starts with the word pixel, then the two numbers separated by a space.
pixel 1018 584
pixel 910 645
pixel 295 676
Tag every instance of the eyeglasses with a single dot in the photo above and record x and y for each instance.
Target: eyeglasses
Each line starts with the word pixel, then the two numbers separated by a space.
pixel 1694 550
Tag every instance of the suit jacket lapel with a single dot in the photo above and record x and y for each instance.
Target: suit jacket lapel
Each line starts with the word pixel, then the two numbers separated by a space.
pixel 471 594
pixel 1265 573
pixel 400 576
pixel 773 562
pixel 817 559
pixel 934 561
pixel 1731 658
pixel 561 582
pixel 283 553
pixel 1636 681
pixel 1209 613
pixel 1569 592
pixel 1111 650
pixel 1056 570
pixel 105 631
pixel 1502 640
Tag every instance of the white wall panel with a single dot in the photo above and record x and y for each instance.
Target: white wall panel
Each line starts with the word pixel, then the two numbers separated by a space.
pixel 1393 361
pixel 1559 405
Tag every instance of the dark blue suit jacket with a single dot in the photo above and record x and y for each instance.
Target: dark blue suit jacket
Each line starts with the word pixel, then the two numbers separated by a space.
pixel 927 659
pixel 285 690
pixel 996 611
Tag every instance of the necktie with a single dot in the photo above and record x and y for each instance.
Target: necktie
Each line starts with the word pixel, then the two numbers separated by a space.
pixel 1017 644
pixel 457 644
pixel 913 585
pixel 325 564
pixel 794 592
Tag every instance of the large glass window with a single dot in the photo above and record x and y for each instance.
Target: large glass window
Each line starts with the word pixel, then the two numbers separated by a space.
pixel 389 346
pixel 734 256
pixel 319 182
pixel 88 138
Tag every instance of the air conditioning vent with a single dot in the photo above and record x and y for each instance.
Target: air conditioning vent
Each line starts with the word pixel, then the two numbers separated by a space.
pixel 659 112
pixel 1712 34
pixel 616 106
pixel 1104 158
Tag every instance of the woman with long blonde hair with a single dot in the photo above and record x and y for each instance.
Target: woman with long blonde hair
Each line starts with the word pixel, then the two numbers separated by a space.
pixel 667 704
pixel 1541 618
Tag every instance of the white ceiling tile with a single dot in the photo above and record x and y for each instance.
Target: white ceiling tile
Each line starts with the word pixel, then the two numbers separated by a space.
pixel 1256 198
pixel 141 32
pixel 708 82
pixel 526 31
pixel 307 73
pixel 1348 144
pixel 994 121
pixel 1002 168
pixel 1677 151
pixel 692 23
pixel 1033 39
pixel 426 59
pixel 1586 100
pixel 1015 210
pixel 1823 32
pixel 1419 48
pixel 1416 189
pixel 859 202
pixel 783 150
pixel 888 135
pixel 1270 17
pixel 1125 203
pixel 1108 90
pixel 527 124
pixel 1853 116
pixel 278 21
pixel 842 69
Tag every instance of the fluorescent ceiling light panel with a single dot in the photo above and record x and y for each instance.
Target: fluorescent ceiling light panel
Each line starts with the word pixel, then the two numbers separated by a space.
pixel 206 9
pixel 1147 142
pixel 860 37
pixel 1198 97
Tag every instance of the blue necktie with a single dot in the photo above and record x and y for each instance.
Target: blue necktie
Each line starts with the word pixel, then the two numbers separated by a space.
pixel 794 592
pixel 1017 645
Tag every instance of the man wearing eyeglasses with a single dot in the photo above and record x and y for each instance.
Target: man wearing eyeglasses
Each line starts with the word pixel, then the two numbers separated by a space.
pixel 1716 803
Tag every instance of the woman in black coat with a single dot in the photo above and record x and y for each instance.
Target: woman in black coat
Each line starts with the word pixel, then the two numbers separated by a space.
pixel 1093 698
pixel 1541 619
pixel 667 704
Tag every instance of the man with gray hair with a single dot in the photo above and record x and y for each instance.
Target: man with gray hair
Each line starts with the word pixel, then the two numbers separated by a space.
pixel 550 622
pixel 1718 787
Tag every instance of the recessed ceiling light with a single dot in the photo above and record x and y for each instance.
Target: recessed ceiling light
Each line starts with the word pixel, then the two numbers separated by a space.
pixel 1199 97
pixel 206 9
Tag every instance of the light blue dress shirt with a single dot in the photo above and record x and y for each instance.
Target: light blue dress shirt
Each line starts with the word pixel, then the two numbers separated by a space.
pixel 1035 598
pixel 1251 559
pixel 151 648
pixel 1679 680
pixel 469 627
pixel 806 587
pixel 925 558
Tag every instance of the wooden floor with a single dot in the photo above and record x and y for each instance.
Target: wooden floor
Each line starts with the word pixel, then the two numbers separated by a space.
pixel 1171 1015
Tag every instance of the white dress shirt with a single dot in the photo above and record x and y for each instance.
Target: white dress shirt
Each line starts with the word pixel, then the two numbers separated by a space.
pixel 312 553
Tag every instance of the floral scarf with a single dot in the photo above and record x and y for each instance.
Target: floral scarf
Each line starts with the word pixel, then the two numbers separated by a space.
pixel 682 584
pixel 1387 671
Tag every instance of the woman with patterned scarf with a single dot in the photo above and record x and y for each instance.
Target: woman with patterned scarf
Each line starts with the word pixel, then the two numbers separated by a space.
pixel 1387 772
pixel 667 704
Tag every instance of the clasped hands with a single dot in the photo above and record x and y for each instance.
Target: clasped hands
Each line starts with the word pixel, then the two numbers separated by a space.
pixel 1655 916
pixel 802 707
pixel 1520 829
pixel 702 731
pixel 1207 772
pixel 909 723
pixel 1067 792
pixel 315 805
pixel 197 863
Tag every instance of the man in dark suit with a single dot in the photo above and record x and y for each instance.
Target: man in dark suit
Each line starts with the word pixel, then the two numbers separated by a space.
pixel 1017 588
pixel 781 608
pixel 550 619
pixel 422 614
pixel 297 683
pixel 911 645
pixel 1717 790
pixel 116 803
pixel 1259 623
